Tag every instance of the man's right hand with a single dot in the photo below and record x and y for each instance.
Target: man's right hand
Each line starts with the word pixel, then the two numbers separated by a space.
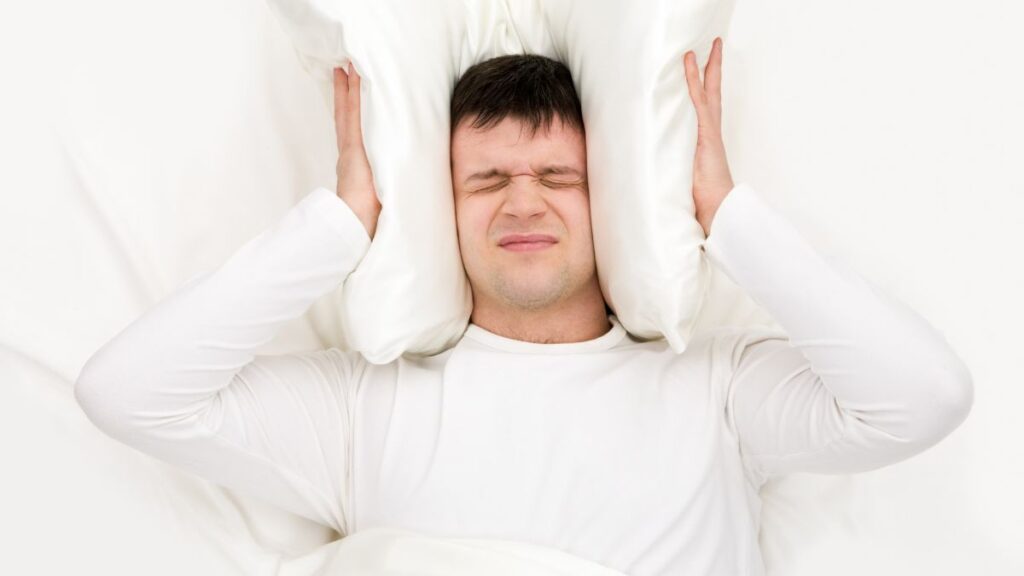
pixel 355 178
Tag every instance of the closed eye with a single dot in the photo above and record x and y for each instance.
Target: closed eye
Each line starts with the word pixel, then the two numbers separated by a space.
pixel 546 182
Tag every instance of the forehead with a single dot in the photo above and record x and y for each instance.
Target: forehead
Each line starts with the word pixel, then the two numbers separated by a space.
pixel 509 147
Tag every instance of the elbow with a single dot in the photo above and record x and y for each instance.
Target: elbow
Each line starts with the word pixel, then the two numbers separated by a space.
pixel 960 394
pixel 95 392
pixel 87 390
pixel 957 386
pixel 952 401
pixel 83 389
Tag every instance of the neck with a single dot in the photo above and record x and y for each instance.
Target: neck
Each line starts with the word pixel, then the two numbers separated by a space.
pixel 575 320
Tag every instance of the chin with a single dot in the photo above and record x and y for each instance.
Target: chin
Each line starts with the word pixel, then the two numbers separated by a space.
pixel 534 287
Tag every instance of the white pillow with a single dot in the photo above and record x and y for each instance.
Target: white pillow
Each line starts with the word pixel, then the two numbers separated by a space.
pixel 410 292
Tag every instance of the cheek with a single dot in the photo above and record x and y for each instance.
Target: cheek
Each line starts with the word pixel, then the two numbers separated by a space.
pixel 473 226
pixel 576 215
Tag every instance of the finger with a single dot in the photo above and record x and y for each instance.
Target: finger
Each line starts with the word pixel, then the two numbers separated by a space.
pixel 340 105
pixel 340 91
pixel 353 120
pixel 713 72
pixel 693 81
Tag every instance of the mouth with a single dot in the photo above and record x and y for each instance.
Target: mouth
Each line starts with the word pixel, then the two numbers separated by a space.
pixel 521 242
pixel 527 246
pixel 527 242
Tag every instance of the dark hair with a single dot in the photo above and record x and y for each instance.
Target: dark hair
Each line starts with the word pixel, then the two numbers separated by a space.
pixel 528 87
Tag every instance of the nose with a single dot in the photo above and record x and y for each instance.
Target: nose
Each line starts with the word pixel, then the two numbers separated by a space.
pixel 523 197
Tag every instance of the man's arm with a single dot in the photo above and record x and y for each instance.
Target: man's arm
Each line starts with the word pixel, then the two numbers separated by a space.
pixel 182 383
pixel 861 381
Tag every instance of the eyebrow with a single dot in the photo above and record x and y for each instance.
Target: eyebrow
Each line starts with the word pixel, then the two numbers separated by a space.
pixel 549 169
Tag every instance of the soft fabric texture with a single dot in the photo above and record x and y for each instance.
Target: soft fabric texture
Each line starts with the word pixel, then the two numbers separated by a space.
pixel 614 450
pixel 394 552
pixel 410 293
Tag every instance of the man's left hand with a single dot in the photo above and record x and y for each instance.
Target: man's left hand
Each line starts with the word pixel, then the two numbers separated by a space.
pixel 711 177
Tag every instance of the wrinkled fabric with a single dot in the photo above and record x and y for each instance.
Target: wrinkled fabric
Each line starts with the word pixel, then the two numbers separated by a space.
pixel 391 552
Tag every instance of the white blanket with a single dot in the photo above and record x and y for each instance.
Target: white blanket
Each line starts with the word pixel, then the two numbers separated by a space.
pixel 391 552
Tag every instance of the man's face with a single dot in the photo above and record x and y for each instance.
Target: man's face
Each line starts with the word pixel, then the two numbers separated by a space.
pixel 507 183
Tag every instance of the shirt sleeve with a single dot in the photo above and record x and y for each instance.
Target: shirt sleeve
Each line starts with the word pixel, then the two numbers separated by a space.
pixel 182 382
pixel 855 380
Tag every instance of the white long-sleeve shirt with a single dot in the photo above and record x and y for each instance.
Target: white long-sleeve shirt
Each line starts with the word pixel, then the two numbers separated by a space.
pixel 619 451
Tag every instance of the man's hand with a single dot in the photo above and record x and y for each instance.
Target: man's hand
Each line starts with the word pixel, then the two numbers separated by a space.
pixel 711 178
pixel 355 178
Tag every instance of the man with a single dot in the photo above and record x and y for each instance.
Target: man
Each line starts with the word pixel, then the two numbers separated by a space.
pixel 547 422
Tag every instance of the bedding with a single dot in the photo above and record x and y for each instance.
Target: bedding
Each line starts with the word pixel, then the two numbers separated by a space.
pixel 394 552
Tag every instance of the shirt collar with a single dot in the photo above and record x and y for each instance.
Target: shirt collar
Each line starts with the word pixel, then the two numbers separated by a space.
pixel 604 342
